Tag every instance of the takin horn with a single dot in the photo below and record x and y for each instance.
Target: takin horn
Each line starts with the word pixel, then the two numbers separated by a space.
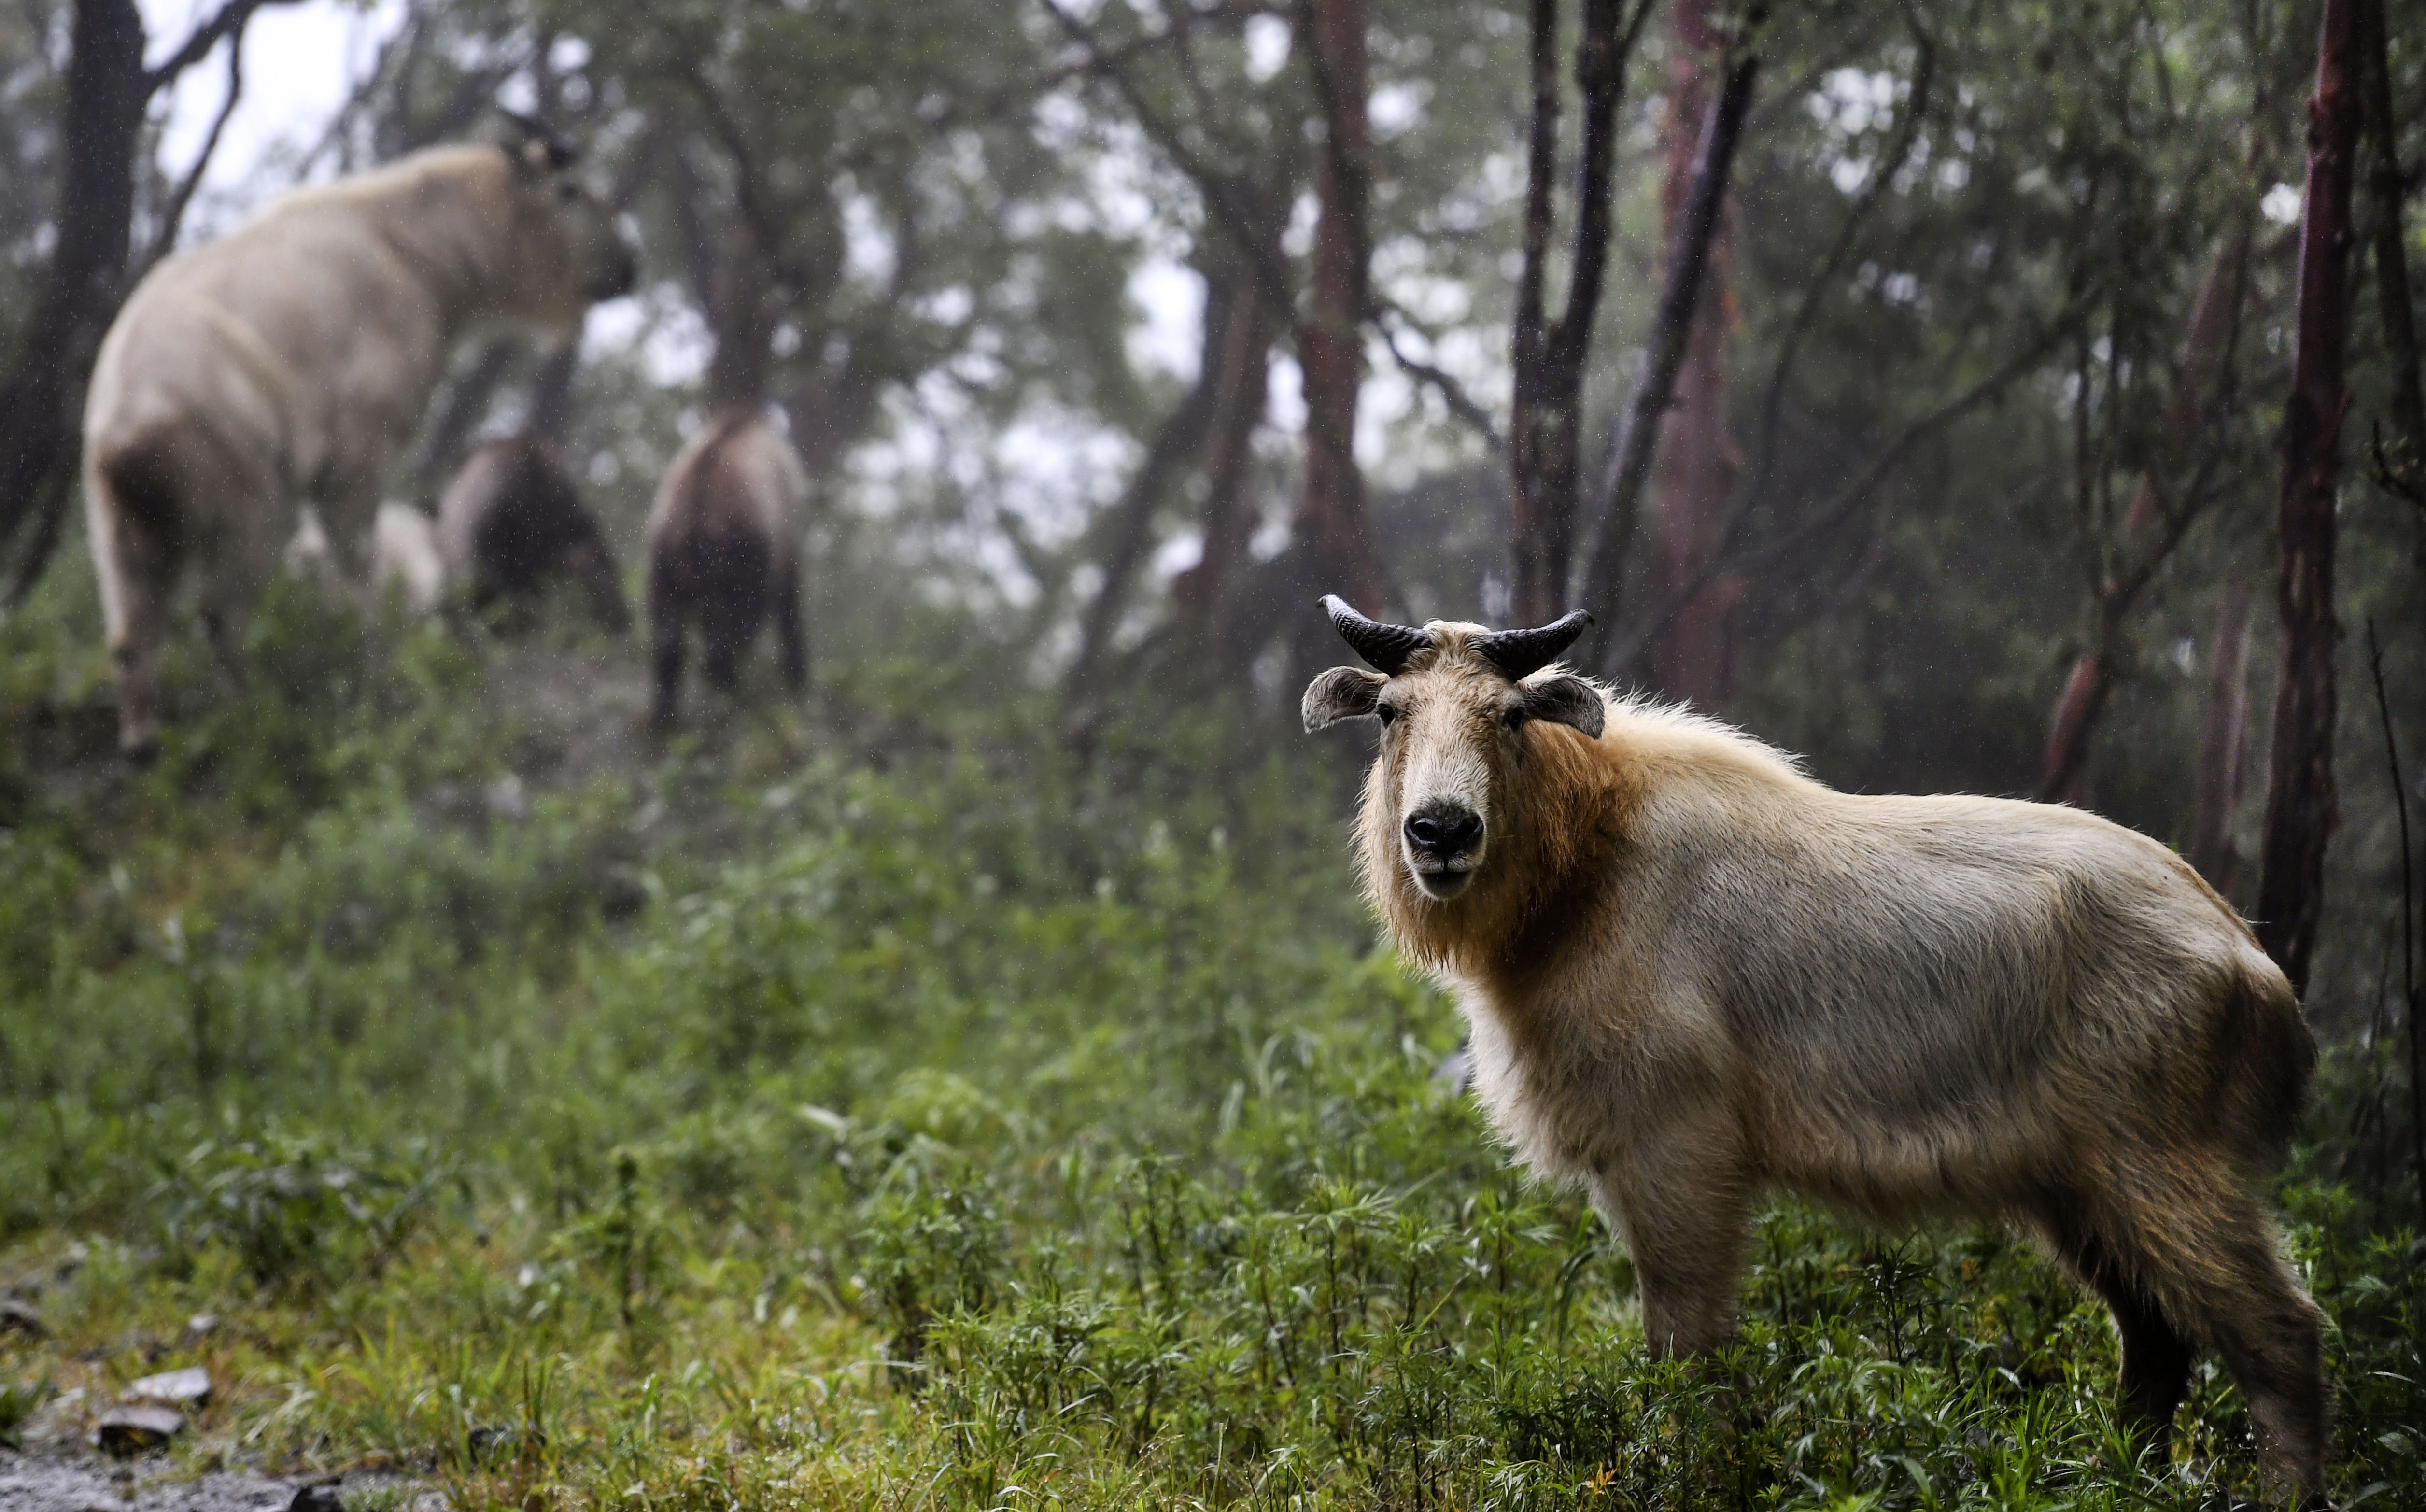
pixel 560 152
pixel 1522 653
pixel 1386 646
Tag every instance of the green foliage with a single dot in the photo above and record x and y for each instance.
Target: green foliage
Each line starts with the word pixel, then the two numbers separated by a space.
pixel 291 1208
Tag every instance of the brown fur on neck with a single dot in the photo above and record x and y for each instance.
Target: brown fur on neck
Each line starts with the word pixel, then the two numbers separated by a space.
pixel 1567 800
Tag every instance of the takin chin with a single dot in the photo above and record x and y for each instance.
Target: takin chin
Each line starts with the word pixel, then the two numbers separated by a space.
pixel 1695 975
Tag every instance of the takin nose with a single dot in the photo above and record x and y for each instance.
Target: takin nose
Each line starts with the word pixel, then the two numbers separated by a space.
pixel 1441 833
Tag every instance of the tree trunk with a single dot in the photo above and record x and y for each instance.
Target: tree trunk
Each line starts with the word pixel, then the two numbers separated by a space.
pixel 2385 187
pixel 101 124
pixel 1694 657
pixel 742 308
pixel 2223 738
pixel 1203 593
pixel 2300 808
pixel 1177 443
pixel 1629 461
pixel 1548 358
pixel 1330 340
pixel 466 405
pixel 2203 384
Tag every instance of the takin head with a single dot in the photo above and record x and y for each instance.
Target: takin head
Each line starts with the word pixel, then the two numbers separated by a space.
pixel 571 253
pixel 1453 701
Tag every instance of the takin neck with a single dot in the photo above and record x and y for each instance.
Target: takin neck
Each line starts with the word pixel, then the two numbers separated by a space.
pixel 1571 802
pixel 449 215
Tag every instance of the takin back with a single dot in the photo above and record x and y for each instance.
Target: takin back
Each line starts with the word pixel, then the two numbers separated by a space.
pixel 1693 975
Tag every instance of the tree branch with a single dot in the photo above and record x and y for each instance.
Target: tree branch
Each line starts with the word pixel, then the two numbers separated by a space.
pixel 230 20
pixel 1846 500
pixel 164 237
pixel 1900 149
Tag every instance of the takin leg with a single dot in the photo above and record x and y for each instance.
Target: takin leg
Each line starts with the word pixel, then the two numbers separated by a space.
pixel 666 631
pixel 2205 1249
pixel 2157 1355
pixel 1681 1200
pixel 138 565
pixel 789 638
pixel 134 527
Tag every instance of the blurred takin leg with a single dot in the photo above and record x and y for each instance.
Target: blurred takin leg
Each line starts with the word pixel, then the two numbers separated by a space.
pixel 666 630
pixel 733 608
pixel 132 527
pixel 790 639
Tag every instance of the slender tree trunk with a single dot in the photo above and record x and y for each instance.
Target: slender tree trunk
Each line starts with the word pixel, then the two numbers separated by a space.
pixel 1203 592
pixel 2300 804
pixel 1176 444
pixel 2224 739
pixel 551 390
pixel 1696 473
pixel 828 408
pixel 2203 386
pixel 468 403
pixel 1330 340
pixel 1629 461
pixel 742 308
pixel 2384 187
pixel 1549 357
pixel 99 124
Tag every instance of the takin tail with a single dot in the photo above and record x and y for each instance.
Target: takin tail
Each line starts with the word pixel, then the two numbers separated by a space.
pixel 2263 1059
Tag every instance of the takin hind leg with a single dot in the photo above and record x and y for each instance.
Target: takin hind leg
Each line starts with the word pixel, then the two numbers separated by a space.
pixel 138 566
pixel 2208 1254
pixel 666 631
pixel 2157 1355
pixel 791 642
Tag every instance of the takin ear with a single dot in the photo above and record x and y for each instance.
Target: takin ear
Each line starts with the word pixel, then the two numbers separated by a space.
pixel 1565 700
pixel 1343 692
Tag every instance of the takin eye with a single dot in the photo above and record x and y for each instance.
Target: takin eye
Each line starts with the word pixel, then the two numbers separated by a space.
pixel 1515 716
pixel 1386 713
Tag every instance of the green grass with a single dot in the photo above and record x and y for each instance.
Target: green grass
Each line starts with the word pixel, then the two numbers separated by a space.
pixel 889 1108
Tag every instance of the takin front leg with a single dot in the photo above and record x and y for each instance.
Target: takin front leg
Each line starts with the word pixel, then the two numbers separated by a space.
pixel 1680 1199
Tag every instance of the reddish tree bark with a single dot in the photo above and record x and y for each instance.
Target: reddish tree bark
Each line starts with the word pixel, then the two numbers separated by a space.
pixel 2154 525
pixel 2224 739
pixel 1694 659
pixel 1549 357
pixel 1629 461
pixel 2300 801
pixel 1330 339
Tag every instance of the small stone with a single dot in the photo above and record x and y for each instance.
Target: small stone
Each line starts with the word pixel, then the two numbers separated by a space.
pixel 201 1325
pixel 190 1386
pixel 320 1496
pixel 17 1317
pixel 133 1430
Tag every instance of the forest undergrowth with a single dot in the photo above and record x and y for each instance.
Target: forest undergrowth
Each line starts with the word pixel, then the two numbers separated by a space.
pixel 887 1106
